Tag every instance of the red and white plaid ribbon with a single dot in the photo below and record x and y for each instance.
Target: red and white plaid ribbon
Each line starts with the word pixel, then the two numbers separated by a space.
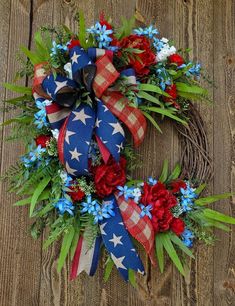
pixel 139 227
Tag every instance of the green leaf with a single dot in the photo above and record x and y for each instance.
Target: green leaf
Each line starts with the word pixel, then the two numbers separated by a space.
pixel 148 97
pixel 43 211
pixel 215 215
pixel 200 188
pixel 132 278
pixel 66 244
pixel 163 112
pixel 151 119
pixel 108 268
pixel 164 173
pixel 166 240
pixel 34 58
pixel 212 199
pixel 182 87
pixel 82 30
pixel 175 173
pixel 41 186
pixel 153 88
pixel 19 89
pixel 74 242
pixel 159 252
pixel 176 240
pixel 43 196
pixel 217 224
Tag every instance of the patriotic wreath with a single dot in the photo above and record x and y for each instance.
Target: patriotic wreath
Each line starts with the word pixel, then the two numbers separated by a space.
pixel 75 174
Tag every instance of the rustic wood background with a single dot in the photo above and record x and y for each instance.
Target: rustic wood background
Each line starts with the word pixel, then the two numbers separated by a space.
pixel 27 274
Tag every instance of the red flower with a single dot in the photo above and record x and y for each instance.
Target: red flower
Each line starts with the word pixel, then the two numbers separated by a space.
pixel 177 226
pixel 77 194
pixel 142 61
pixel 42 140
pixel 162 200
pixel 73 43
pixel 171 90
pixel 176 59
pixel 104 22
pixel 176 185
pixel 109 176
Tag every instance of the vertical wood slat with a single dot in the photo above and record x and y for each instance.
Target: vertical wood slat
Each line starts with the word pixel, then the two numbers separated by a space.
pixel 189 23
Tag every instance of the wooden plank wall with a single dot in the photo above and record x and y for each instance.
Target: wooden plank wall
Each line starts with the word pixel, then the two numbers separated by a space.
pixel 27 275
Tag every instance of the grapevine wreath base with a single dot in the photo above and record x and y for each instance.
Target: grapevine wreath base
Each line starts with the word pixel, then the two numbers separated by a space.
pixel 75 173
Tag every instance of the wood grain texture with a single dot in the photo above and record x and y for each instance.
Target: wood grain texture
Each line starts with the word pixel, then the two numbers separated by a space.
pixel 28 275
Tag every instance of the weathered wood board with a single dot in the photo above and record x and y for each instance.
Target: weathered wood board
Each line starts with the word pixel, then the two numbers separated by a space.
pixel 27 274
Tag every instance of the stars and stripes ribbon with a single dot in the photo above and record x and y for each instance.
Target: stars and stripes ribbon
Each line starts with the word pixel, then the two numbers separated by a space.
pixel 116 240
pixel 86 258
pixel 118 243
pixel 97 78
pixel 139 227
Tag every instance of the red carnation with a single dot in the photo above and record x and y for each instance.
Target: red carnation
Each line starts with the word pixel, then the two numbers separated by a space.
pixel 176 59
pixel 141 61
pixel 77 194
pixel 171 90
pixel 108 176
pixel 176 185
pixel 42 140
pixel 177 226
pixel 73 43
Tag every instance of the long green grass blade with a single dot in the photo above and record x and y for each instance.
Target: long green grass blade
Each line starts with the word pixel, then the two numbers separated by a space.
pixel 19 89
pixel 164 112
pixel 159 252
pixel 164 174
pixel 108 269
pixel 176 240
pixel 215 215
pixel 41 186
pixel 66 244
pixel 212 199
pixel 151 119
pixel 175 173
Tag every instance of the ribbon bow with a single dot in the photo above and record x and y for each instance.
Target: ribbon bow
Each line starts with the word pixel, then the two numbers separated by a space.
pixel 78 123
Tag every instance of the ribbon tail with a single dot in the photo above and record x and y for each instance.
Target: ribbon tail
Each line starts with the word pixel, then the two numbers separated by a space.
pixel 132 117
pixel 85 259
pixel 118 243
pixel 139 228
pixel 109 131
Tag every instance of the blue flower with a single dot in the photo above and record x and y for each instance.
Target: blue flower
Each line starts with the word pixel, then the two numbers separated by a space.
pixel 145 211
pixel 26 161
pixel 152 181
pixel 108 207
pixel 164 78
pixel 101 35
pixel 89 206
pixel 56 47
pixel 187 238
pixel 64 205
pixel 193 70
pixel 187 197
pixel 125 191
pixel 149 32
pixel 36 154
pixel 40 119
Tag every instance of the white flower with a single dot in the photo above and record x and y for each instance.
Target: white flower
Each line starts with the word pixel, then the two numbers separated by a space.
pixel 165 52
pixel 164 40
pixel 55 134
pixel 68 69
pixel 63 175
pixel 136 194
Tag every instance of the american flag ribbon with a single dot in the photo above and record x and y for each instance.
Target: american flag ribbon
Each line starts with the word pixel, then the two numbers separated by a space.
pixel 139 227
pixel 86 258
